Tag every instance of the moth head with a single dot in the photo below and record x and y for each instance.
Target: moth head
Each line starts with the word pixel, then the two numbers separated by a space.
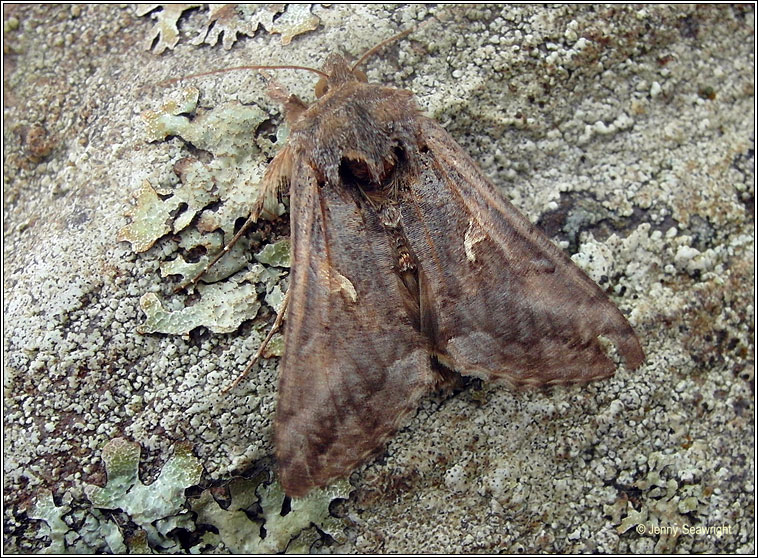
pixel 338 71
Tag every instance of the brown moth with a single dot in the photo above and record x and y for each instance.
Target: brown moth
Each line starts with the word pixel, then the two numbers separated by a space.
pixel 407 264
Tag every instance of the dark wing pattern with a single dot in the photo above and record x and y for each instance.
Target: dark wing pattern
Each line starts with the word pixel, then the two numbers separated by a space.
pixel 502 301
pixel 354 365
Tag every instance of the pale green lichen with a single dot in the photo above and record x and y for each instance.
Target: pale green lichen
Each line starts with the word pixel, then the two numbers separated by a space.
pixel 226 131
pixel 165 33
pixel 168 120
pixel 157 509
pixel 150 219
pixel 268 276
pixel 229 20
pixel 229 264
pixel 276 254
pixel 232 20
pixel 294 531
pixel 311 509
pixel 196 190
pixel 121 460
pixel 296 20
pixel 95 530
pixel 144 503
pixel 275 346
pixel 222 308
pixel 213 195
pixel 235 529
pixel 113 537
pixel 232 177
pixel 633 519
pixel 275 297
pixel 54 527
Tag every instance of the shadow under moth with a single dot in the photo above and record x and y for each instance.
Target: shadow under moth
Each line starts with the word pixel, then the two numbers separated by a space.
pixel 407 264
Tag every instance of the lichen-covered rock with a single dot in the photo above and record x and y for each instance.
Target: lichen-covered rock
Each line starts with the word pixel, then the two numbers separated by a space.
pixel 626 132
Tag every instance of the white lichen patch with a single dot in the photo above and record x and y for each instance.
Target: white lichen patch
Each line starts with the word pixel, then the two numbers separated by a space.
pixel 595 258
pixel 674 495
pixel 222 308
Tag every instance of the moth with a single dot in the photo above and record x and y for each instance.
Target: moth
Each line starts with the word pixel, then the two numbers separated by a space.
pixel 407 264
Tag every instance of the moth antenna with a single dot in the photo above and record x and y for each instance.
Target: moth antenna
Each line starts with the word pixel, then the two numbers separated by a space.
pixel 381 45
pixel 256 67
pixel 259 353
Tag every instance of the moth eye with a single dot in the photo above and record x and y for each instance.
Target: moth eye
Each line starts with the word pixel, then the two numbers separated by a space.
pixel 360 76
pixel 321 88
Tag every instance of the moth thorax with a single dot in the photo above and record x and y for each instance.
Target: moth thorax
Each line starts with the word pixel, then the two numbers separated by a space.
pixel 373 176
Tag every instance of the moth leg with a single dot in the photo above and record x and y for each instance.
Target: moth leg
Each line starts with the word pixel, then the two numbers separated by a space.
pixel 250 221
pixel 274 181
pixel 264 344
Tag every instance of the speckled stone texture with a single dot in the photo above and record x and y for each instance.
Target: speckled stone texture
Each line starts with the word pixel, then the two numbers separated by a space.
pixel 626 132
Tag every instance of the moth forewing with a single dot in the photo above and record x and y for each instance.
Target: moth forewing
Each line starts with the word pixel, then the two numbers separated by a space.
pixel 521 308
pixel 354 365
pixel 405 256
